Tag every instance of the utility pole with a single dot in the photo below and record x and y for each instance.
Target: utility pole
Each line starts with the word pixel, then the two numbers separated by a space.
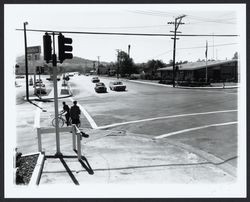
pixel 176 23
pixel 213 45
pixel 26 61
pixel 94 66
pixel 118 61
pixel 98 70
pixel 128 51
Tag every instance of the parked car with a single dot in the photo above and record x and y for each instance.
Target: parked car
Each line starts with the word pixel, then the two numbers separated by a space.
pixel 95 79
pixel 100 88
pixel 19 77
pixel 117 86
pixel 40 90
pixel 31 82
pixel 37 85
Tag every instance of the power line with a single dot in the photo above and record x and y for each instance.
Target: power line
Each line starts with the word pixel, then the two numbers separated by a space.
pixel 164 14
pixel 126 27
pixel 196 47
pixel 127 34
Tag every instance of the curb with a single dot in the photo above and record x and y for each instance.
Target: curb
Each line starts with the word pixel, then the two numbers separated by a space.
pixel 37 172
pixel 51 98
pixel 165 85
pixel 226 87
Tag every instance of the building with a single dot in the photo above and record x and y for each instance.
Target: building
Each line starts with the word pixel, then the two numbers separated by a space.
pixel 217 71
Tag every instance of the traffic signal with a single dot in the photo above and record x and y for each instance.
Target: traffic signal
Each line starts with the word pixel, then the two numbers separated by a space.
pixel 47 50
pixel 64 48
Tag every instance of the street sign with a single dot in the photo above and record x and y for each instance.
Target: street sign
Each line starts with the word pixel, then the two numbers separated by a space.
pixel 33 49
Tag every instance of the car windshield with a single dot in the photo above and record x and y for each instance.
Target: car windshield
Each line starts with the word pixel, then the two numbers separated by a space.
pixel 118 83
pixel 100 84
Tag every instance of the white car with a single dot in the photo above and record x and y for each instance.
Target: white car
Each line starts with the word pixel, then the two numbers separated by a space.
pixel 117 86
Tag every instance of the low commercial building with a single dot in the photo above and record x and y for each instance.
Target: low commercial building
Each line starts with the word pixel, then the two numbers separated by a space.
pixel 217 71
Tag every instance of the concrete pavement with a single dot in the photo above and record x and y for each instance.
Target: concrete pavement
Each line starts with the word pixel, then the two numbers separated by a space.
pixel 120 157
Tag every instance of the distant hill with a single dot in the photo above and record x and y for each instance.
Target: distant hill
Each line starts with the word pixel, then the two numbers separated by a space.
pixel 76 64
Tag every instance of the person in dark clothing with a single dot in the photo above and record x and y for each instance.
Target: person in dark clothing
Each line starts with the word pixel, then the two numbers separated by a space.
pixel 67 114
pixel 75 113
pixel 75 116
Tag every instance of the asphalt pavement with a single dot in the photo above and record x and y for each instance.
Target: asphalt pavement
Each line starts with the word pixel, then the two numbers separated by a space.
pixel 126 154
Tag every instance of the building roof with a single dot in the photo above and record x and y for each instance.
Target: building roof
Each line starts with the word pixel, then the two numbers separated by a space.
pixel 198 65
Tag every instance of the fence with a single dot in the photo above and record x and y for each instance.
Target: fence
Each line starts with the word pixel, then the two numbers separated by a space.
pixel 76 137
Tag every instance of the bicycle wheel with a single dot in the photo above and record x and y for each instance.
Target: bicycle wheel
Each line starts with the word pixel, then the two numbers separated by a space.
pixel 60 122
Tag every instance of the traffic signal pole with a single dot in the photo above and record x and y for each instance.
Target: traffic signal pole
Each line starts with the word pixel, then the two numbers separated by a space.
pixel 54 62
pixel 64 50
pixel 26 61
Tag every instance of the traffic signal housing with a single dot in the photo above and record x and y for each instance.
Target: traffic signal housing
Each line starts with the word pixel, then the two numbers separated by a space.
pixel 47 50
pixel 64 48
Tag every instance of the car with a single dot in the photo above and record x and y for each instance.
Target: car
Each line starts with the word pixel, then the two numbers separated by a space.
pixel 100 87
pixel 117 86
pixel 19 77
pixel 95 79
pixel 31 82
pixel 39 85
pixel 87 74
pixel 40 90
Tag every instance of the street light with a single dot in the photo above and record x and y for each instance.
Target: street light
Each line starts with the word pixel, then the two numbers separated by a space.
pixel 26 60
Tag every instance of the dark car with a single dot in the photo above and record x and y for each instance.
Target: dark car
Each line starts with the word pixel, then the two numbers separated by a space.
pixel 95 79
pixel 40 89
pixel 117 86
pixel 100 88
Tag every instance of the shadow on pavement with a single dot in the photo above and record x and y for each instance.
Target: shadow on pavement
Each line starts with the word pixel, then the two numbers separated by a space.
pixel 69 171
pixel 84 162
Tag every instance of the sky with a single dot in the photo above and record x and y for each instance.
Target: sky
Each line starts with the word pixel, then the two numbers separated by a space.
pixel 127 18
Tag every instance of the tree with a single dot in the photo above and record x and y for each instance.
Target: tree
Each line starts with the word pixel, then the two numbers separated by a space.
pixel 151 68
pixel 125 64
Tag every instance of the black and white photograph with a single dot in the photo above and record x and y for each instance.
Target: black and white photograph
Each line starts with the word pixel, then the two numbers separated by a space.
pixel 124 100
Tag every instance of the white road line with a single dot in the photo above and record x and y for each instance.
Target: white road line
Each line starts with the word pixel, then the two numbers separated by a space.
pixel 37 116
pixel 86 114
pixel 192 129
pixel 164 117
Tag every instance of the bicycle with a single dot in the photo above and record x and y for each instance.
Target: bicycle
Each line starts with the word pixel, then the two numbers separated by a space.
pixel 61 121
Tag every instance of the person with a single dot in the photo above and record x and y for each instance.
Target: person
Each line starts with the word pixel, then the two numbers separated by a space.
pixel 75 113
pixel 75 116
pixel 66 111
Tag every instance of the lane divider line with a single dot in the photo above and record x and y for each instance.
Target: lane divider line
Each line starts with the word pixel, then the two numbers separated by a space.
pixel 164 117
pixel 192 129
pixel 86 114
pixel 37 115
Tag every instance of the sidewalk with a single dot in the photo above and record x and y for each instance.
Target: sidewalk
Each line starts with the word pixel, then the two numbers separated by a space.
pixel 119 157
